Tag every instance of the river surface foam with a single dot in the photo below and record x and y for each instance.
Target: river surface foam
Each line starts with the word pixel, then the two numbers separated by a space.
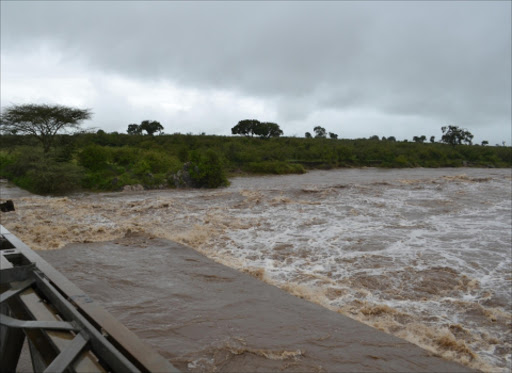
pixel 424 254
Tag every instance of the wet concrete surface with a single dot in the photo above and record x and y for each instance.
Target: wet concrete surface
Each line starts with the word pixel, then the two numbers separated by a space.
pixel 206 317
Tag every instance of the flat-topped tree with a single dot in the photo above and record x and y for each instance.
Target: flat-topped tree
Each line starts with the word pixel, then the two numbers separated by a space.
pixel 42 121
pixel 134 129
pixel 151 127
pixel 454 135
pixel 245 127
pixel 320 132
pixel 267 130
pixel 253 127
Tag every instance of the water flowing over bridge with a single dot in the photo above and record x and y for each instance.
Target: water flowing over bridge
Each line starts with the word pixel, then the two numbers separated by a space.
pixel 266 328
pixel 65 330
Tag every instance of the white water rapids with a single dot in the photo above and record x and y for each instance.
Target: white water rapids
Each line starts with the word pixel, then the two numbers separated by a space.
pixel 424 254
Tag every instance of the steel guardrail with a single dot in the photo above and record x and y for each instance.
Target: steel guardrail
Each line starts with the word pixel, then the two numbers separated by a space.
pixel 65 329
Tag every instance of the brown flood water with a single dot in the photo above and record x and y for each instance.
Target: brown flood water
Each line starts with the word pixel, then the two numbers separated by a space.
pixel 422 254
pixel 206 317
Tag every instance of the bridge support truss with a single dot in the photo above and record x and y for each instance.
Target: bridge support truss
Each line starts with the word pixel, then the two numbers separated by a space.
pixel 66 331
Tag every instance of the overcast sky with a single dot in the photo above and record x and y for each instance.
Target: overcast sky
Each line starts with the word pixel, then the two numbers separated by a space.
pixel 356 68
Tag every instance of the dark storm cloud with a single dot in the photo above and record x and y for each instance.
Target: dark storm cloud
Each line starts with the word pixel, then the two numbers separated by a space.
pixel 449 61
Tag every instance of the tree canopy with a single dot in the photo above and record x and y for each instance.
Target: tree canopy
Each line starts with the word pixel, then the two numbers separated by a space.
pixel 151 127
pixel 134 129
pixel 253 127
pixel 320 132
pixel 245 127
pixel 419 139
pixel 454 135
pixel 42 121
pixel 267 130
pixel 146 125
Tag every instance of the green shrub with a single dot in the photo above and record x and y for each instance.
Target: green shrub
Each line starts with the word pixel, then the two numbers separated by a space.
pixel 160 162
pixel 50 177
pixel 6 160
pixel 183 154
pixel 401 161
pixel 274 167
pixel 125 156
pixel 105 179
pixel 30 169
pixel 23 159
pixel 94 157
pixel 142 167
pixel 206 170
pixel 114 160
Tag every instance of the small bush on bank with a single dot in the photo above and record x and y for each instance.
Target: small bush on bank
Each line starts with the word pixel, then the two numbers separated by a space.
pixel 94 157
pixel 274 167
pixel 31 169
pixel 21 161
pixel 50 177
pixel 124 156
pixel 6 160
pixel 111 168
pixel 160 162
pixel 206 170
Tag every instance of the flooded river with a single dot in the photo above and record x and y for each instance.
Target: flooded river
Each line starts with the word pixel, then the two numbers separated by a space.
pixel 423 254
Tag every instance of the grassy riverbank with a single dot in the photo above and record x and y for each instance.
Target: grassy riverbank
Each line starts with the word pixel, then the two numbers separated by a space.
pixel 110 161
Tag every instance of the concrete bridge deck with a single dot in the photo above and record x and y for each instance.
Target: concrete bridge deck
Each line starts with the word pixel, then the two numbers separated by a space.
pixel 48 324
pixel 203 316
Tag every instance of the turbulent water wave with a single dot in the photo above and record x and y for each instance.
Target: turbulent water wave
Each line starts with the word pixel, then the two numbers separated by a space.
pixel 422 254
pixel 222 352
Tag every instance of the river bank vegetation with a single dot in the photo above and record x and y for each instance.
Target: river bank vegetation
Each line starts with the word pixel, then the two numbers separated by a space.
pixel 38 155
pixel 112 161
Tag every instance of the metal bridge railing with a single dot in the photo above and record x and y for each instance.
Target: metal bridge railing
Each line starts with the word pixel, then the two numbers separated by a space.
pixel 66 331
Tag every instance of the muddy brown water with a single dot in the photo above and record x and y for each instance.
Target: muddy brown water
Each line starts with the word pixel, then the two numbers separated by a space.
pixel 422 254
pixel 206 317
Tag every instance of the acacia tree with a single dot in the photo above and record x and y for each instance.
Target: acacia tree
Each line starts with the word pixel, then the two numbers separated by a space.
pixel 454 135
pixel 320 132
pixel 245 127
pixel 419 139
pixel 151 127
pixel 253 127
pixel 134 129
pixel 42 121
pixel 267 130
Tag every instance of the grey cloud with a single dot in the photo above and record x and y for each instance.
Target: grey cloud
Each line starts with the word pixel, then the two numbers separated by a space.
pixel 441 60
